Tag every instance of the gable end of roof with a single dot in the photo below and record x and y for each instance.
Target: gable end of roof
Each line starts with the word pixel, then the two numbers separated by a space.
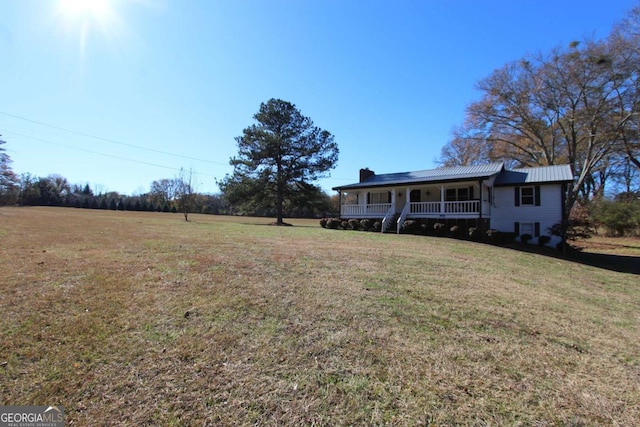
pixel 536 175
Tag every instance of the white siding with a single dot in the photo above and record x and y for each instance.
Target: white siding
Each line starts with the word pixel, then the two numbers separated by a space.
pixel 505 213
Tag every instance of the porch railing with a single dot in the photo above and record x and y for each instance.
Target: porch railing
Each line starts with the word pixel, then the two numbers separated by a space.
pixel 376 209
pixel 403 216
pixel 417 209
pixel 388 217
pixel 425 208
pixel 471 206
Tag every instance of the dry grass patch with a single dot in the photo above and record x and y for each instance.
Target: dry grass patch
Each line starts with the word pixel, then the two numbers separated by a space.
pixel 629 246
pixel 227 321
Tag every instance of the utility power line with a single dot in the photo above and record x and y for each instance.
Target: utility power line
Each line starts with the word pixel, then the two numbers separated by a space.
pixel 99 138
pixel 101 154
pixel 112 141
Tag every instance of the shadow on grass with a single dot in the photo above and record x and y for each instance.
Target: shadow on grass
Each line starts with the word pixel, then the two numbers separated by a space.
pixel 285 225
pixel 620 263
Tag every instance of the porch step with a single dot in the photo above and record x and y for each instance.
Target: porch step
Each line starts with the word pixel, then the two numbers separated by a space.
pixel 391 226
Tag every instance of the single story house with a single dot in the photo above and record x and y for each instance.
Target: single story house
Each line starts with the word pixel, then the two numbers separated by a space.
pixel 522 201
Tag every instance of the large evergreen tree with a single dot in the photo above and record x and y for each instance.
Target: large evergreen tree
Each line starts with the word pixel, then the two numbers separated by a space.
pixel 277 160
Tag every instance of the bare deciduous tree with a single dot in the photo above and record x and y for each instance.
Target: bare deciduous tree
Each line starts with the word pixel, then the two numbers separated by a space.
pixel 624 44
pixel 185 192
pixel 465 149
pixel 163 191
pixel 551 109
pixel 577 105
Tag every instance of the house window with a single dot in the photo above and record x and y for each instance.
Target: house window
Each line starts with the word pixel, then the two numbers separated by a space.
pixel 459 194
pixel 375 198
pixel 349 198
pixel 530 228
pixel 527 196
pixel 527 228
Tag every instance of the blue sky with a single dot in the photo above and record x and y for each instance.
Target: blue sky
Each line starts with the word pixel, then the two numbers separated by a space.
pixel 126 92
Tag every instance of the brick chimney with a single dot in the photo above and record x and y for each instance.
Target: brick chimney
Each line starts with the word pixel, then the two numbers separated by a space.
pixel 365 174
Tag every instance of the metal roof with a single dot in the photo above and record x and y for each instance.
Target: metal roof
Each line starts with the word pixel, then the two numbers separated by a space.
pixel 443 174
pixel 536 175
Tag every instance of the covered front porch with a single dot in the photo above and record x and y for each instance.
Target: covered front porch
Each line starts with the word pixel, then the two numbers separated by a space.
pixel 393 205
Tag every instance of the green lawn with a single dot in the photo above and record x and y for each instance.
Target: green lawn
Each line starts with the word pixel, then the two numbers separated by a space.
pixel 128 318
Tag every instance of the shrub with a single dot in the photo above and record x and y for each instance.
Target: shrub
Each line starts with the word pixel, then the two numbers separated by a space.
pixel 323 222
pixel 525 238
pixel 353 224
pixel 377 226
pixel 556 230
pixel 438 228
pixel 543 240
pixel 508 237
pixel 344 224
pixel 494 236
pixel 578 227
pixel 474 233
pixel 424 228
pixel 411 226
pixel 620 217
pixel 455 231
pixel 333 223
pixel 365 224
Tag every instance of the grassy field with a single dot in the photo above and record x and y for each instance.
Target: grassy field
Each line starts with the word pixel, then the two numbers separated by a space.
pixel 129 318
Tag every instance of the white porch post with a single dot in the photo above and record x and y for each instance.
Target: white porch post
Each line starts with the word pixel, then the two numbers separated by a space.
pixel 480 185
pixel 393 199
pixel 442 199
pixel 408 198
pixel 366 202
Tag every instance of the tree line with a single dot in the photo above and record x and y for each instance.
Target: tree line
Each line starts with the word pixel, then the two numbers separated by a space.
pixel 55 190
pixel 177 194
